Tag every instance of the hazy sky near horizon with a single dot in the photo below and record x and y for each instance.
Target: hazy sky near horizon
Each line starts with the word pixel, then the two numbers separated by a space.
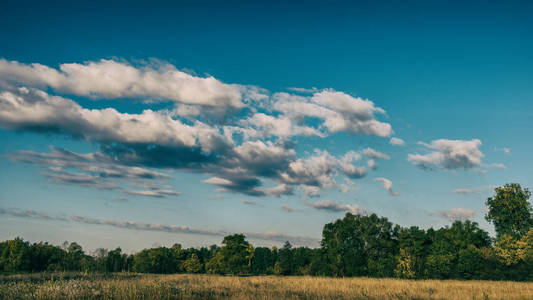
pixel 133 126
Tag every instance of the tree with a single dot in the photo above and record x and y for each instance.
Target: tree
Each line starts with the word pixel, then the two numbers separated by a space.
pixel 510 211
pixel 192 264
pixel 285 259
pixel 361 245
pixel 262 260
pixel 232 258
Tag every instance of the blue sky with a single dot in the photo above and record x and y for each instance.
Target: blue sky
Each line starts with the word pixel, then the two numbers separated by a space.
pixel 257 117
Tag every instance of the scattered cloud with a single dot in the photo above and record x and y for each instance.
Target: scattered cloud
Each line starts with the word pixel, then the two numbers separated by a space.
pixel 371 153
pixel 142 226
pixel 152 193
pixel 470 191
pixel 457 214
pixel 387 186
pixel 371 164
pixel 131 143
pixel 338 112
pixel 331 206
pixel 495 166
pixel 449 154
pixel 110 79
pixel 505 150
pixel 397 141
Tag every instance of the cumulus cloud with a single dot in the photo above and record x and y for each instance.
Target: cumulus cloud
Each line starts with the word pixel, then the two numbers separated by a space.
pixel 387 186
pixel 449 154
pixel 116 79
pixel 331 206
pixel 142 226
pixel 250 149
pixel 369 152
pixel 282 127
pixel 457 214
pixel 338 112
pixel 397 141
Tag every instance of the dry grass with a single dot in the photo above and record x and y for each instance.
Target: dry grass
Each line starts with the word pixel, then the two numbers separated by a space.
pixel 132 286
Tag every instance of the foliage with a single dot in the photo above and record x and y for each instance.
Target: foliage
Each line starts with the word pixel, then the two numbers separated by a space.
pixel 510 211
pixel 352 246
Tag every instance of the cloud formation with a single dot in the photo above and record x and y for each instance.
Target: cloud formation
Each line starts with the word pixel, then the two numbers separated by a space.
pixel 331 206
pixel 116 79
pixel 457 214
pixel 396 141
pixel 250 149
pixel 449 154
pixel 142 226
pixel 387 186
pixel 371 153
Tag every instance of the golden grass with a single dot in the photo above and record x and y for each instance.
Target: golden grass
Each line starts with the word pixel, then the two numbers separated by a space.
pixel 183 286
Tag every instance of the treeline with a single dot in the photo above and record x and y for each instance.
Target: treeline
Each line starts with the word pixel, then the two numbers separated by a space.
pixel 352 246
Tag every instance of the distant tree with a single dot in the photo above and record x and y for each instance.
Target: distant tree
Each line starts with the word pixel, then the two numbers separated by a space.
pixel 361 245
pixel 414 244
pixel 74 257
pixel 285 259
pixel 301 258
pixel 232 258
pixel 262 260
pixel 15 256
pixel 192 264
pixel 156 260
pixel 116 261
pixel 46 257
pixel 510 211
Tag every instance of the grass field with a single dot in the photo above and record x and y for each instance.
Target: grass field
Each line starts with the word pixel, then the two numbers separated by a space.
pixel 137 286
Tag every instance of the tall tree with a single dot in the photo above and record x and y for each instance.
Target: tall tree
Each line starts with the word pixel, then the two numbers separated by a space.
pixel 510 211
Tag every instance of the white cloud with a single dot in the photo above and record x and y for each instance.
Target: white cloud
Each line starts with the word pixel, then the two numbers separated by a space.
pixel 152 193
pixel 371 164
pixel 331 206
pixel 115 79
pixel 338 111
pixel 281 127
pixel 39 111
pixel 387 186
pixel 311 191
pixel 397 141
pixel 507 151
pixel 369 152
pixel 449 154
pixel 457 214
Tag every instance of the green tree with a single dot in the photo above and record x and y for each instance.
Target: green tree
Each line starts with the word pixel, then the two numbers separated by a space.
pixel 361 245
pixel 232 258
pixel 192 264
pixel 510 211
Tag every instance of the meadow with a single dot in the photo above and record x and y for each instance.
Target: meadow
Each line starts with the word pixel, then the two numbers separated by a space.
pixel 188 286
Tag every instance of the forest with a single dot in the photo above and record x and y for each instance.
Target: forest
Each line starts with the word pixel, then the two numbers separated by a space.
pixel 356 245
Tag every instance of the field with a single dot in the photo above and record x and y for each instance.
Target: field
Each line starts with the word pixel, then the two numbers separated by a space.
pixel 137 286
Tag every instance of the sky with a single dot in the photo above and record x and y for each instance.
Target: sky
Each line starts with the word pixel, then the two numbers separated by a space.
pixel 136 126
